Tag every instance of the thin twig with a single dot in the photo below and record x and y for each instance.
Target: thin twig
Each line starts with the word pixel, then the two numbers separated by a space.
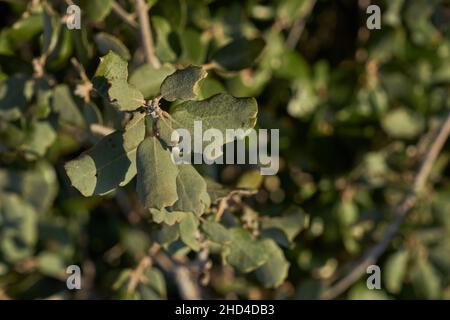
pixel 299 24
pixel 124 15
pixel 225 201
pixel 83 89
pixel 80 69
pixel 187 287
pixel 146 34
pixel 136 274
pixel 399 215
pixel 100 130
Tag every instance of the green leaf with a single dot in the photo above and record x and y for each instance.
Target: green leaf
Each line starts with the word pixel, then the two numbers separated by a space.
pixel 83 46
pixel 51 264
pixel 360 292
pixel 112 67
pixel 193 47
pixel 251 179
pixel 221 112
pixel 216 232
pixel 40 137
pixel 426 280
pixel 11 136
pixel 188 231
pixel 26 27
pixel 92 114
pixel 63 51
pixel 191 190
pixel 110 80
pixel 3 269
pixel 439 255
pixel 167 217
pixel 110 163
pixel 167 234
pixel 402 123
pixel 175 11
pixel 284 229
pixel 107 42
pixel 347 212
pixel 156 179
pixel 163 48
pixel 42 92
pixel 215 190
pixel 126 97
pixel 239 54
pixel 12 97
pixel 395 270
pixel 51 29
pixel 275 270
pixel 96 10
pixel 209 87
pixel 40 186
pixel 165 131
pixel 154 279
pixel 148 79
pixel 151 285
pixel 19 228
pixel 246 254
pixel 5 44
pixel 64 104
pixel 183 84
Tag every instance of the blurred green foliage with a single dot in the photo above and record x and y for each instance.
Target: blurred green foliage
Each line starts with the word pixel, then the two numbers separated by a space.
pixel 353 107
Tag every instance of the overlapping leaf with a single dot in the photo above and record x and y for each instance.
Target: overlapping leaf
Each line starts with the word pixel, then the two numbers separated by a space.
pixel 19 228
pixel 110 80
pixel 221 112
pixel 148 79
pixel 110 163
pixel 191 190
pixel 275 270
pixel 106 42
pixel 216 232
pixel 183 84
pixel 239 54
pixel 246 254
pixel 188 231
pixel 156 179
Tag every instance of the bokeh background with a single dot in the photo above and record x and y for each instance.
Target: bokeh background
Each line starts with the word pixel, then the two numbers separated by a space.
pixel 356 109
